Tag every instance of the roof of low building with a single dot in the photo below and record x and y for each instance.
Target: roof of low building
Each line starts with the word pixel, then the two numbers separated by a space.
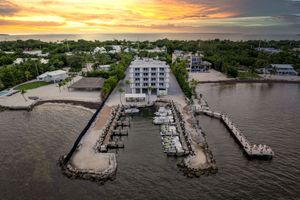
pixel 282 66
pixel 52 73
pixel 88 83
pixel 135 95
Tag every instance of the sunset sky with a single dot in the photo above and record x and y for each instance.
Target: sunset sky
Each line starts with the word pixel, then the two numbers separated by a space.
pixel 143 16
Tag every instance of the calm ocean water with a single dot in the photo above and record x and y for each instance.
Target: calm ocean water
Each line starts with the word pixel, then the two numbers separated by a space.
pixel 31 143
pixel 153 36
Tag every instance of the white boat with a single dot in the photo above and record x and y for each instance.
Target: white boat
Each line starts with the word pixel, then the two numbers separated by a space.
pixel 163 114
pixel 131 110
pixel 166 130
pixel 163 120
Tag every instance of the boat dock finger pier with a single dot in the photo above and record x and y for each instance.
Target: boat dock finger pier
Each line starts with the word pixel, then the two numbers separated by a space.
pixel 116 127
pixel 251 150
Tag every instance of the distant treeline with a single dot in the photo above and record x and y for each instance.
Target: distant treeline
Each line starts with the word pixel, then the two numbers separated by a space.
pixel 226 56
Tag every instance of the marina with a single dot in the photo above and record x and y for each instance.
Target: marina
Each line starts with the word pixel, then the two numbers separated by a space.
pixel 43 143
pixel 169 134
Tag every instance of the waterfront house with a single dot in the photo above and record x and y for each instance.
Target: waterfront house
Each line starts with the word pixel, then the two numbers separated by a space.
pixel 157 50
pixel 268 50
pixel 149 74
pixel 115 49
pixel 38 53
pixel 18 61
pixel 194 61
pixel 104 67
pixel 279 69
pixel 99 50
pixel 54 76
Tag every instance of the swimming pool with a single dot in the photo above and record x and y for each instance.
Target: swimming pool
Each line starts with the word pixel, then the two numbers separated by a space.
pixel 3 93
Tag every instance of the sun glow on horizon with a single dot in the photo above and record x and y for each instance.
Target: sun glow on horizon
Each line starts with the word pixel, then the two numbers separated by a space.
pixel 102 16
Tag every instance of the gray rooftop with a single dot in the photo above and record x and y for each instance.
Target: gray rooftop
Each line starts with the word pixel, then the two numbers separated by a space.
pixel 90 83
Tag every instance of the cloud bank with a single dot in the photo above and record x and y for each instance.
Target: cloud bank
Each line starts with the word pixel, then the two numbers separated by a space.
pixel 96 16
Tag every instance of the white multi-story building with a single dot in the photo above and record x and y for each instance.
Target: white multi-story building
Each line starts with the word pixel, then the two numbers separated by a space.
pixel 149 75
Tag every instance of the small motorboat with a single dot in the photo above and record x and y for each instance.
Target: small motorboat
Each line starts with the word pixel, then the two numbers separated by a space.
pixel 131 110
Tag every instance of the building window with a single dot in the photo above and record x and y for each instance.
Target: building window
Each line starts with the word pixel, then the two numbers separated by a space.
pixel 161 84
pixel 145 84
pixel 145 74
pixel 162 69
pixel 152 84
pixel 153 74
pixel 153 69
pixel 137 74
pixel 137 79
pixel 161 79
pixel 161 74
pixel 137 69
pixel 145 79
pixel 145 69
pixel 153 79
pixel 137 84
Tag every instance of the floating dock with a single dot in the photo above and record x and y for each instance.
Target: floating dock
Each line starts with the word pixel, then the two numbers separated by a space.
pixel 251 150
pixel 173 139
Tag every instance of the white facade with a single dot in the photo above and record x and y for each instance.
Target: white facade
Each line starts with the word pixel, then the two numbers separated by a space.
pixel 157 50
pixel 104 67
pixel 36 53
pixel 148 73
pixel 268 50
pixel 280 69
pixel 54 76
pixel 18 61
pixel 44 61
pixel 115 49
pixel 99 50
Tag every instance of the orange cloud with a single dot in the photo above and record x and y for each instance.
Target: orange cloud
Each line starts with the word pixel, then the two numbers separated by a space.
pixel 104 16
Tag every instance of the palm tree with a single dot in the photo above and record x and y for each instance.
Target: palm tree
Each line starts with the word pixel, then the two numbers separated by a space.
pixel 27 75
pixel 149 93
pixel 121 90
pixel 193 84
pixel 23 91
pixel 60 85
pixel 127 82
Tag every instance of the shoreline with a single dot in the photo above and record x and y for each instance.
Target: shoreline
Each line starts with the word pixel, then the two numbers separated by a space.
pixel 251 81
pixel 85 104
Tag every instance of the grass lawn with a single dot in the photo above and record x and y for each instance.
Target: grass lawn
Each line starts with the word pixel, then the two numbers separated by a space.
pixel 33 85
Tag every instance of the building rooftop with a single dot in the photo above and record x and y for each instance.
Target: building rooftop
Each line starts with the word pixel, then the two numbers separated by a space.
pixel 88 83
pixel 53 73
pixel 286 66
pixel 148 62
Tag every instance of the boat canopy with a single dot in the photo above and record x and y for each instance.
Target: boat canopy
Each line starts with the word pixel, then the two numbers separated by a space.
pixel 134 97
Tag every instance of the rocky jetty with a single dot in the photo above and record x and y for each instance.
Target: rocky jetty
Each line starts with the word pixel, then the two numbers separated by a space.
pixel 91 175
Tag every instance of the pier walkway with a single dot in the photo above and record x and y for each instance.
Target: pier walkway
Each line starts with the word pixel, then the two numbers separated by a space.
pixel 87 159
pixel 252 150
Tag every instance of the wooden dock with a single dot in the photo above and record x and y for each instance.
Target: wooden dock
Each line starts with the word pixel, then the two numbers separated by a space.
pixel 251 150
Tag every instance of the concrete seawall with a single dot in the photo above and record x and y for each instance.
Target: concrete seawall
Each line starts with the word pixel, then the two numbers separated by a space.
pixel 91 105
